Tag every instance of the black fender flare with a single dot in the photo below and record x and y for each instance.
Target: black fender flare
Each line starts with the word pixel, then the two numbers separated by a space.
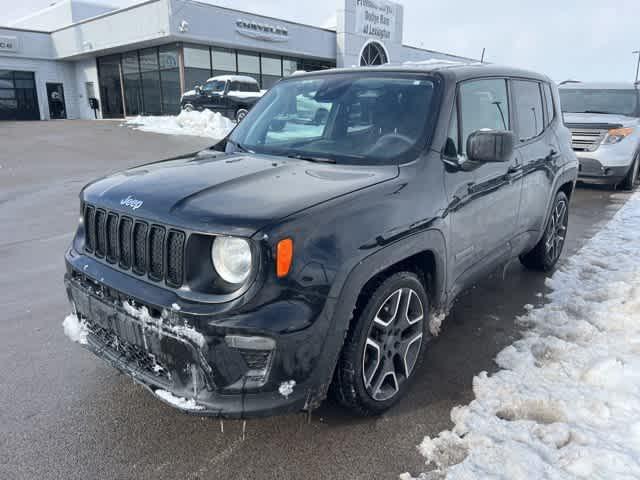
pixel 353 282
pixel 568 175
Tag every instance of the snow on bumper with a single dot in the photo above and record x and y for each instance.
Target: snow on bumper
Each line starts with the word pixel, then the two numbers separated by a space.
pixel 566 403
pixel 202 372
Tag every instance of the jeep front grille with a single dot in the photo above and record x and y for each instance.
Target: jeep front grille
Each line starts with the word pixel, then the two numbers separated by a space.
pixel 146 249
pixel 586 139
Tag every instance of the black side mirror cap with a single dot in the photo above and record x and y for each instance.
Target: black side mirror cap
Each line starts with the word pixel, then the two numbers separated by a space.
pixel 490 146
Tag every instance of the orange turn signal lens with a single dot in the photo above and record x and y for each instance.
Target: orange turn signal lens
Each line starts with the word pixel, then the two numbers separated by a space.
pixel 616 135
pixel 284 257
pixel 620 132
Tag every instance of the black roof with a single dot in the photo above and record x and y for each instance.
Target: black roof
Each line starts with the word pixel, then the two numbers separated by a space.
pixel 455 71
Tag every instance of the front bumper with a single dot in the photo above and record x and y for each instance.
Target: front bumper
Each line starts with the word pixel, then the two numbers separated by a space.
pixel 180 357
pixel 593 171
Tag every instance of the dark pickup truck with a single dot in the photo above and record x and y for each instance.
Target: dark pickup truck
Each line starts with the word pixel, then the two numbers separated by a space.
pixel 231 95
pixel 307 251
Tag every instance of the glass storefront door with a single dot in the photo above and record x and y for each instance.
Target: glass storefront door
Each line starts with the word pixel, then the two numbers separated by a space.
pixel 110 86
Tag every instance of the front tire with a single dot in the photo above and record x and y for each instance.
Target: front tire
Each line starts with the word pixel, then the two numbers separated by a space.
pixel 188 108
pixel 546 253
pixel 632 176
pixel 384 347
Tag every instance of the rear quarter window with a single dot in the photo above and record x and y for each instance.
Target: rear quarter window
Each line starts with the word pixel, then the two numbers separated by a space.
pixel 548 102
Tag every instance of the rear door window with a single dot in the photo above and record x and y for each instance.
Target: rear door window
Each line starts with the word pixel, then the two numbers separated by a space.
pixel 528 108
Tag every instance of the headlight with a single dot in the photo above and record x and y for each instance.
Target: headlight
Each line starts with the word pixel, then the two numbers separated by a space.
pixel 231 258
pixel 616 135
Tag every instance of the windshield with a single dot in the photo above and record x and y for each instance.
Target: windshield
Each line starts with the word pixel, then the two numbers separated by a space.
pixel 344 117
pixel 578 100
pixel 214 86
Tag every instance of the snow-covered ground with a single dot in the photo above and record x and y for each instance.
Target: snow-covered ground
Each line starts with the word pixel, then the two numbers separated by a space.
pixel 566 402
pixel 202 124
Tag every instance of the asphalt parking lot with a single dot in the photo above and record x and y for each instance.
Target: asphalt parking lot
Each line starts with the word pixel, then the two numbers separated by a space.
pixel 64 414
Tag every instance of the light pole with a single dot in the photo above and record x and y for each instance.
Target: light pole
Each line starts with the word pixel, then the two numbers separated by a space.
pixel 637 52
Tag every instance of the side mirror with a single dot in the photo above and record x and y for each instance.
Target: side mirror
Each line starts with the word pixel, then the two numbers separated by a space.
pixel 490 146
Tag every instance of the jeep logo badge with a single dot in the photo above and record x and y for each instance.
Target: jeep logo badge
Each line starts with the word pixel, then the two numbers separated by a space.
pixel 131 202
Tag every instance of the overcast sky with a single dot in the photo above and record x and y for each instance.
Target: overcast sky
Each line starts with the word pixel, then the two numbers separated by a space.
pixel 586 39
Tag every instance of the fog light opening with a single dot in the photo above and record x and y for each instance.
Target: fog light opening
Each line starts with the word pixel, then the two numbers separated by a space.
pixel 257 353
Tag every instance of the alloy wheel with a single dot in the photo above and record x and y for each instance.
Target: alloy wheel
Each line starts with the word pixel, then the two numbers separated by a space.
pixel 393 344
pixel 556 231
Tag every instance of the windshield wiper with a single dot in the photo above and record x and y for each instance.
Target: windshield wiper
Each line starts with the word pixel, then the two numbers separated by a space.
pixel 308 158
pixel 239 146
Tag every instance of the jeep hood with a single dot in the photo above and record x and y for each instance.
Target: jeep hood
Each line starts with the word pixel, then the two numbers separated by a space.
pixel 235 194
pixel 600 120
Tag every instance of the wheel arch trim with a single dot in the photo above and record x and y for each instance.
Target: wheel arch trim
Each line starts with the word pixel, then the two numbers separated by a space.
pixel 431 240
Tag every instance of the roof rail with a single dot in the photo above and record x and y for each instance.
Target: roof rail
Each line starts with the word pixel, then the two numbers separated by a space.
pixel 569 81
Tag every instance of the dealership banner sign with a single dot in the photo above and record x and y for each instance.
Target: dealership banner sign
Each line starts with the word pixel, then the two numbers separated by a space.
pixel 8 44
pixel 376 18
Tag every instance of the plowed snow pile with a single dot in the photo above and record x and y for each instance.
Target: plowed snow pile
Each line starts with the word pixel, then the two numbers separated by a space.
pixel 200 124
pixel 566 402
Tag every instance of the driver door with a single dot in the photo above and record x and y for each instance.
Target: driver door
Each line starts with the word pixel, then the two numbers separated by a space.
pixel 486 196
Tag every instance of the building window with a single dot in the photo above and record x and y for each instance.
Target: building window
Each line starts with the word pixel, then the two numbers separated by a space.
pixel 151 93
pixel 271 68
pixel 132 83
pixel 18 97
pixel 223 59
pixel 169 80
pixel 373 54
pixel 249 64
pixel 147 81
pixel 197 66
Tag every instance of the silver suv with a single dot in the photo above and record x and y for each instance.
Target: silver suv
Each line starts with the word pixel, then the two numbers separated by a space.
pixel 604 119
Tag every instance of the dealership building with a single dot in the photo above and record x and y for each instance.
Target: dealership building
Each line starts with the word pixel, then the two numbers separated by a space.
pixel 140 59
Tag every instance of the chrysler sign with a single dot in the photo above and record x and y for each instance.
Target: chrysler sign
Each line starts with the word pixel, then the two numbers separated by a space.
pixel 8 44
pixel 262 31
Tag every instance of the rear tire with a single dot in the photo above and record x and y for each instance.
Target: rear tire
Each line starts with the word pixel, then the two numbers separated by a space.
pixel 547 251
pixel 385 346
pixel 629 181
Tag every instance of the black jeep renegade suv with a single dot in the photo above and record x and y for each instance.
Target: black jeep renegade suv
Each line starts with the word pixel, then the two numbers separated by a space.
pixel 298 255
